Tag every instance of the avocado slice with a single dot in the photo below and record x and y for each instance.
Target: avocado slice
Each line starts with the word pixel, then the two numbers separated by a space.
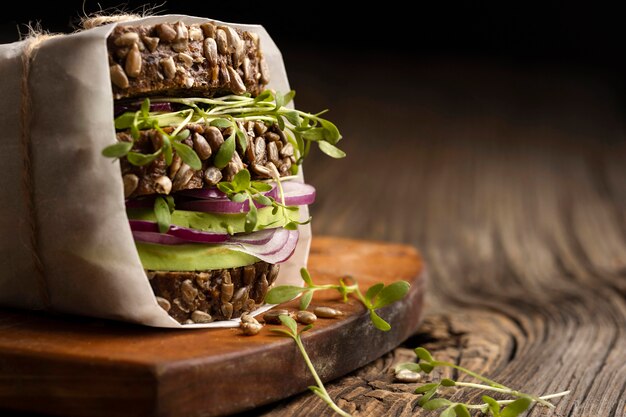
pixel 191 257
pixel 217 222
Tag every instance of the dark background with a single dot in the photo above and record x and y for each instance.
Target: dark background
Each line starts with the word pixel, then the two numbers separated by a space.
pixel 584 35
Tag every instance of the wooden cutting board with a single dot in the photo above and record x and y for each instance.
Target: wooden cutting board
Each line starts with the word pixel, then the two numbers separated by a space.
pixel 71 366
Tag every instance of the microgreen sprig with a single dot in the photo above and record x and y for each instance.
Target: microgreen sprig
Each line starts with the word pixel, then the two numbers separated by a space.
pixel 241 189
pixel 377 296
pixel 489 405
pixel 144 119
pixel 163 209
pixel 269 107
pixel 294 334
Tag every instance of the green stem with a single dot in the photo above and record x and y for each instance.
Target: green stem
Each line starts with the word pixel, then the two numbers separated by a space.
pixel 361 297
pixel 543 397
pixel 493 386
pixel 318 381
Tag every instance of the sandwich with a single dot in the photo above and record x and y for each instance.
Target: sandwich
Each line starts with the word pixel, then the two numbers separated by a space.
pixel 209 161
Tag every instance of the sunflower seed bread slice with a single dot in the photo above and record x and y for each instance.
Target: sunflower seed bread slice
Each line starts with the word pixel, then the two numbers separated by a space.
pixel 175 59
pixel 205 296
pixel 267 148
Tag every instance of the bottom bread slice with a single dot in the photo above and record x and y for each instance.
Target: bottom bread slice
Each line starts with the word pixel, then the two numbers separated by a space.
pixel 205 296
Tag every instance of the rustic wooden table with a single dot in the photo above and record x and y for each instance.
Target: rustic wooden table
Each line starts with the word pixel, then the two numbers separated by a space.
pixel 512 183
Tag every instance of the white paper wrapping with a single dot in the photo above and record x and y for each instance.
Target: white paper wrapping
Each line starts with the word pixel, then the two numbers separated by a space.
pixel 86 248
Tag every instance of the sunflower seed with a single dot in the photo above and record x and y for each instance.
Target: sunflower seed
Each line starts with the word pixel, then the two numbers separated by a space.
pixel 236 83
pixel 182 177
pixel 282 136
pixel 118 76
pixel 212 175
pixel 188 291
pixel 176 163
pixel 180 46
pixel 272 153
pixel 254 37
pixel 273 170
pixel 264 71
pixel 201 146
pixel 247 69
pixel 271 317
pixel 305 317
pixel 230 171
pixel 224 75
pixel 166 32
pixel 182 306
pixel 248 274
pixel 236 159
pixel 163 185
pixel 210 51
pixel 327 312
pixel 189 321
pixel 241 295
pixel 250 151
pixel 181 31
pixel 163 303
pixel 227 310
pixel 186 59
pixel 259 128
pixel 251 329
pixel 133 62
pixel 222 41
pixel 261 171
pixel 169 68
pixel 406 375
pixel 261 288
pixel 127 39
pixel 131 181
pixel 274 269
pixel 232 38
pixel 271 136
pixel 215 74
pixel 195 33
pixel 201 317
pixel 151 42
pixel 214 138
pixel 208 29
pixel 249 305
pixel 189 81
pixel 287 150
pixel 259 150
pixel 227 292
pixel 286 166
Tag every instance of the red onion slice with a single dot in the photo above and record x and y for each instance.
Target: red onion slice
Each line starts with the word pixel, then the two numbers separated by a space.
pixel 279 249
pixel 296 194
pixel 182 234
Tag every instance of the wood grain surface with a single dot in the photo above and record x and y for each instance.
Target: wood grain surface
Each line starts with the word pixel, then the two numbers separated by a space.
pixel 72 366
pixel 512 182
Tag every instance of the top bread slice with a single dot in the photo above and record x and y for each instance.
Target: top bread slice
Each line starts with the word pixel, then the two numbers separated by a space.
pixel 185 60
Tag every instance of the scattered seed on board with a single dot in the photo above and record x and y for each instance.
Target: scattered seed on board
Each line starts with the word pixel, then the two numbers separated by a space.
pixel 305 317
pixel 247 318
pixel 271 317
pixel 406 375
pixel 250 329
pixel 327 312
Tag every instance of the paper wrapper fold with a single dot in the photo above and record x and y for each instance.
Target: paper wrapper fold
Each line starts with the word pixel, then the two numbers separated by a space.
pixel 89 262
